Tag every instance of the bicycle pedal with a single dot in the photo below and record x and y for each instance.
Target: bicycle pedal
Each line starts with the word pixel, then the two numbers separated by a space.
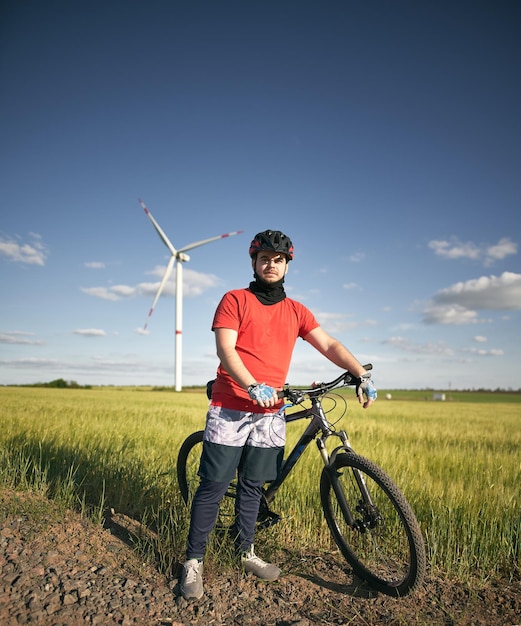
pixel 268 519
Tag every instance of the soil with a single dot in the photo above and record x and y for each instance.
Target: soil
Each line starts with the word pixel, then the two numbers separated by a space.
pixel 66 571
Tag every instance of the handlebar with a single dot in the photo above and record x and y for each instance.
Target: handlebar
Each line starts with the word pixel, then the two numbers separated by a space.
pixel 296 396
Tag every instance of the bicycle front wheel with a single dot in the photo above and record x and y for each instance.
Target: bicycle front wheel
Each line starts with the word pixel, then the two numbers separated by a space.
pixel 381 540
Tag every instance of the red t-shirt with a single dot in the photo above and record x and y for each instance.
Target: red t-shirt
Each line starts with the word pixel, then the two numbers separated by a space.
pixel 266 337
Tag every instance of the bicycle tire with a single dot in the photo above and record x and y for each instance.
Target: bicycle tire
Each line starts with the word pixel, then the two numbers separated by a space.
pixel 188 459
pixel 385 547
pixel 188 464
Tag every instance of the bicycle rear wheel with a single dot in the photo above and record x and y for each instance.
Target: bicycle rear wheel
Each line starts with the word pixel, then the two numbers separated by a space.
pixel 188 460
pixel 384 544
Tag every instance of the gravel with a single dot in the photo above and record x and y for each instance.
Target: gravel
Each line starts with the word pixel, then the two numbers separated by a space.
pixel 69 571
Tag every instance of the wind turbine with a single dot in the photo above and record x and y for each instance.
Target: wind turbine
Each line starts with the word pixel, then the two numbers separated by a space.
pixel 180 257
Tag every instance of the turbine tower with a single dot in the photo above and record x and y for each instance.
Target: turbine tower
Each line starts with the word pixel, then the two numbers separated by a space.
pixel 180 257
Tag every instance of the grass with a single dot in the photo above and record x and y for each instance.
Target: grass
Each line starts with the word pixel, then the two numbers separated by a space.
pixel 107 448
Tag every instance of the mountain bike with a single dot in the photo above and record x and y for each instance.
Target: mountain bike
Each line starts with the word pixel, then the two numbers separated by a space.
pixel 369 518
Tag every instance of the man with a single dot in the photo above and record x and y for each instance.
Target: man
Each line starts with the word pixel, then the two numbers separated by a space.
pixel 255 332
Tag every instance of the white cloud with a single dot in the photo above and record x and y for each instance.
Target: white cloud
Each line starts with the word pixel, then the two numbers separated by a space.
pixel 437 348
pixel 150 289
pixel 459 303
pixel 90 332
pixel 29 363
pixel 487 292
pixel 122 367
pixel 455 249
pixel 100 292
pixel 480 339
pixel 351 286
pixel 357 257
pixel 502 249
pixel 158 271
pixel 34 253
pixel 20 338
pixel 95 265
pixel 449 314
pixel 407 345
pixel 123 291
pixel 194 284
pixel 335 323
pixel 482 352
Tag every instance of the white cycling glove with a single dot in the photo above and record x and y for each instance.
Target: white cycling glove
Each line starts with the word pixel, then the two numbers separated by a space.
pixel 260 392
pixel 365 387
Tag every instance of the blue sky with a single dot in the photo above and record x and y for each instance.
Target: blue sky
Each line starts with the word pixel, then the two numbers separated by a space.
pixel 382 137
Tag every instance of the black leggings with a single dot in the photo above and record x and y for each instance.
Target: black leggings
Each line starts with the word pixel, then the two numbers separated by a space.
pixel 205 507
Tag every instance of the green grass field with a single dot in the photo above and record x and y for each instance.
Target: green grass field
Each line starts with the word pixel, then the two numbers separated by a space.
pixel 458 463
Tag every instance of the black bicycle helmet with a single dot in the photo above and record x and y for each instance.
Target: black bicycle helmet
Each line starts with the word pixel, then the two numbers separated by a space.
pixel 273 240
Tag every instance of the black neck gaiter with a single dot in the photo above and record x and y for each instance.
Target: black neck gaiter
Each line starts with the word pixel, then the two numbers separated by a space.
pixel 268 293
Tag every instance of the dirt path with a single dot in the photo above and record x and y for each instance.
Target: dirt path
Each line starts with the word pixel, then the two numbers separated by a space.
pixel 70 572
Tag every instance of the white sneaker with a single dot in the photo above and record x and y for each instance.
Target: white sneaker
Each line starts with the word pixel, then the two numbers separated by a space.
pixel 254 564
pixel 192 580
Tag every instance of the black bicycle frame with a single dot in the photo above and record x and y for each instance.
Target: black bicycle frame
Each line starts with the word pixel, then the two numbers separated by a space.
pixel 306 438
pixel 318 424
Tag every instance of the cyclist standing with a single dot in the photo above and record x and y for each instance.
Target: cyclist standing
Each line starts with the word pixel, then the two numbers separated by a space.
pixel 255 331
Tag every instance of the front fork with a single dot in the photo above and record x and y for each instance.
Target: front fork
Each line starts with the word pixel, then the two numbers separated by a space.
pixel 329 466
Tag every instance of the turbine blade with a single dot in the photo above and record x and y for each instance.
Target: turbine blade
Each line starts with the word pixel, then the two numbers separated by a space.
pixel 158 228
pixel 166 276
pixel 204 241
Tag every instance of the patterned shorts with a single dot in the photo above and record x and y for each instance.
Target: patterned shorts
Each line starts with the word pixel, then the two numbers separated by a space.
pixel 252 443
